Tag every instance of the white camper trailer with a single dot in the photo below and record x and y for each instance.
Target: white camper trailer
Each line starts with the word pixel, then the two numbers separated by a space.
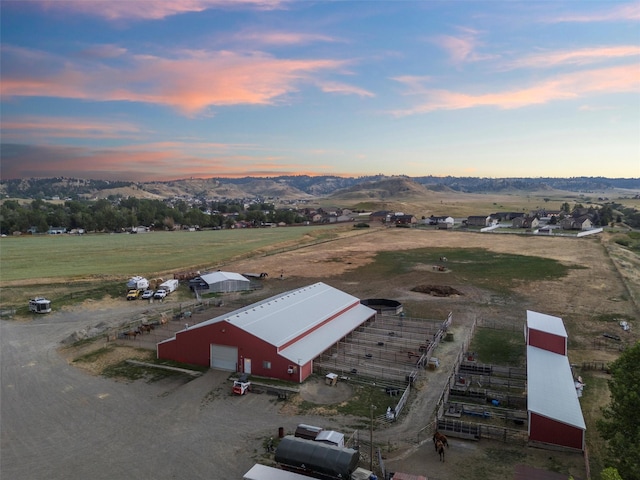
pixel 138 283
pixel 40 305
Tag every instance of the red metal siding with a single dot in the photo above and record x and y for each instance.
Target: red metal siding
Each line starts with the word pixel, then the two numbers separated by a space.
pixel 193 346
pixel 547 430
pixel 547 341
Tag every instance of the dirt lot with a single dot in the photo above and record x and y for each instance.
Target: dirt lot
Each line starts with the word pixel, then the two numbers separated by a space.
pixel 608 283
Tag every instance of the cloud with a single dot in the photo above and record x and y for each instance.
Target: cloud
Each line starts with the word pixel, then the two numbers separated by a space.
pixel 284 38
pixel 189 82
pixel 149 9
pixel 575 85
pixel 461 48
pixel 103 51
pixel 624 12
pixel 575 57
pixel 336 87
pixel 147 162
pixel 23 128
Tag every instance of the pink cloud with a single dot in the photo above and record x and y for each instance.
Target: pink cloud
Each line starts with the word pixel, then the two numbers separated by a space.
pixel 146 162
pixel 149 9
pixel 576 57
pixel 30 128
pixel 190 83
pixel 336 87
pixel 461 48
pixel 284 38
pixel 619 79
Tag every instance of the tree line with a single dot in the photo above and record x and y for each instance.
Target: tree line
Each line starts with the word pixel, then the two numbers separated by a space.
pixel 116 215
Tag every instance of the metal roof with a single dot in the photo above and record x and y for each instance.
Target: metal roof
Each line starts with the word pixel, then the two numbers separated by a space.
pixel 316 342
pixel 322 313
pixel 551 390
pixel 216 277
pixel 263 472
pixel 546 323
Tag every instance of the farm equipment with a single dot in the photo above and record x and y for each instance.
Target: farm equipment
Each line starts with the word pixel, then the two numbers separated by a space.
pixel 241 386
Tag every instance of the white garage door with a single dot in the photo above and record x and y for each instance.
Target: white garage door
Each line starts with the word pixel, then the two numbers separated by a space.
pixel 224 357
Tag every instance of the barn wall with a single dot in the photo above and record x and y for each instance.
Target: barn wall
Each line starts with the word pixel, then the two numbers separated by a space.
pixel 547 430
pixel 194 346
pixel 547 341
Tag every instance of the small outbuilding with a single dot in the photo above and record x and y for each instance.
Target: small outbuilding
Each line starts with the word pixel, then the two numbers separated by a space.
pixel 220 282
pixel 555 414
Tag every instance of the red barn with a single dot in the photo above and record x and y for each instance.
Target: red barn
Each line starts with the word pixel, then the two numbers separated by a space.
pixel 278 337
pixel 555 415
pixel 547 332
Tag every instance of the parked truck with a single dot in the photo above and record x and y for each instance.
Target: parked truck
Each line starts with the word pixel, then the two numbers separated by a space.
pixel 135 286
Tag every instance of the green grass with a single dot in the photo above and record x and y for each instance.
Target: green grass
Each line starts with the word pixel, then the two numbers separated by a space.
pixel 499 347
pixel 99 255
pixel 479 267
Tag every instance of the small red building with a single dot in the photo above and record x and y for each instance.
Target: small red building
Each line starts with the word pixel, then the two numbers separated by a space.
pixel 278 337
pixel 555 415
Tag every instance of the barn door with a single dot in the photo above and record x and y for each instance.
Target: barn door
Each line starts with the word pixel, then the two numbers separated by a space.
pixel 247 365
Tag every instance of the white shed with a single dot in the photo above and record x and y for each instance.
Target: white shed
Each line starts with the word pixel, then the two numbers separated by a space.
pixel 220 282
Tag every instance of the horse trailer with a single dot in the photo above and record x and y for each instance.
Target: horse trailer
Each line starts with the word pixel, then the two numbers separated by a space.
pixel 40 305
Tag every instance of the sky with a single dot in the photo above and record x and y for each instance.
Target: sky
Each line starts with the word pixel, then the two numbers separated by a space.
pixel 163 90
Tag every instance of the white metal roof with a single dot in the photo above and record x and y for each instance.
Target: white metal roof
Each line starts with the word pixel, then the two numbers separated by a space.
pixel 546 323
pixel 551 390
pixel 282 318
pixel 263 472
pixel 216 277
pixel 312 345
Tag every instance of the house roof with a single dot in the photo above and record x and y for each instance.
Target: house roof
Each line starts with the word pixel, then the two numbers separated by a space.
pixel 551 390
pixel 327 313
pixel 546 323
pixel 217 277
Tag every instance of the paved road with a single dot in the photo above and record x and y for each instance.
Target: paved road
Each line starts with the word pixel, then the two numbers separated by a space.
pixel 58 422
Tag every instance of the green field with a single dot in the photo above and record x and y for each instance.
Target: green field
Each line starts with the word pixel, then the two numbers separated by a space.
pixel 148 254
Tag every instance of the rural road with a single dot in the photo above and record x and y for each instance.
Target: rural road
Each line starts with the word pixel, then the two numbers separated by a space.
pixel 59 422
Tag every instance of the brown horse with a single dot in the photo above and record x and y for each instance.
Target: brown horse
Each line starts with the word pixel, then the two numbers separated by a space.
pixel 439 437
pixel 440 449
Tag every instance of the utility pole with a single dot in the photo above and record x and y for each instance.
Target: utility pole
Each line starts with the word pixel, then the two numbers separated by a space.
pixel 371 440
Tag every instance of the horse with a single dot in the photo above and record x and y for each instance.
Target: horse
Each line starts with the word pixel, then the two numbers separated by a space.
pixel 440 449
pixel 439 437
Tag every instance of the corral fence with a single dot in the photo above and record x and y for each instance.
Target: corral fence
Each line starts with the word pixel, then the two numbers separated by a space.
pixel 389 352
pixel 477 431
pixel 152 327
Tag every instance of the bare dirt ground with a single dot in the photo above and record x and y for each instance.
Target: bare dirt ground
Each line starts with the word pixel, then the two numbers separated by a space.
pixel 607 283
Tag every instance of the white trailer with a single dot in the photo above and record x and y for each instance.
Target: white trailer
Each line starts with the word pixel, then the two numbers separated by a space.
pixel 40 305
pixel 169 286
pixel 138 283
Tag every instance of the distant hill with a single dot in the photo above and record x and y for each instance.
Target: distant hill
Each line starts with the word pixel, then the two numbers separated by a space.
pixel 301 187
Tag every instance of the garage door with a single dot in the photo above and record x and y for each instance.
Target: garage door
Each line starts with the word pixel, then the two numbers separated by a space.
pixel 224 357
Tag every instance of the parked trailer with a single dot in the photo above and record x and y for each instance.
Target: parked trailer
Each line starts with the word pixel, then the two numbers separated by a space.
pixel 40 305
pixel 169 286
pixel 138 283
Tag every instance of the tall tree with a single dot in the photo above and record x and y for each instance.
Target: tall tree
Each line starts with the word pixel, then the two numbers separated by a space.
pixel 621 423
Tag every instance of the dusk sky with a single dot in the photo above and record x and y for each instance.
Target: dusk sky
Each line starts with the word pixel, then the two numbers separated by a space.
pixel 161 90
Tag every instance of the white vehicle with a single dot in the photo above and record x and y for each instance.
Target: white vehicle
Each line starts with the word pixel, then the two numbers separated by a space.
pixel 138 283
pixel 40 305
pixel 160 294
pixel 169 286
pixel 147 294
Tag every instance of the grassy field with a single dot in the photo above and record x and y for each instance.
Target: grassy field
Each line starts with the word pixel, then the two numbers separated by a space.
pixel 67 257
